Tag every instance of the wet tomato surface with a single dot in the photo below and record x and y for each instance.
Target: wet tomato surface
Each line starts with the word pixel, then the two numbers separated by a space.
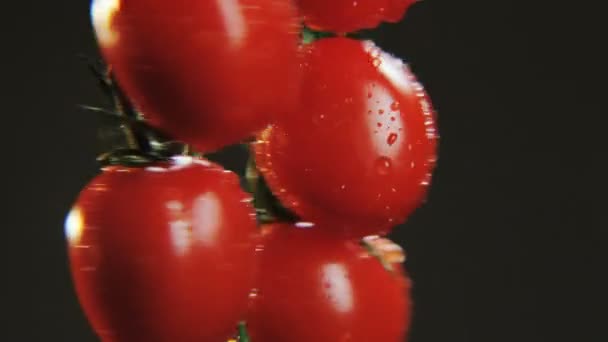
pixel 163 253
pixel 360 149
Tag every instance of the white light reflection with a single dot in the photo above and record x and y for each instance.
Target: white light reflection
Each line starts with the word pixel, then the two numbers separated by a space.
pixel 304 225
pixel 180 236
pixel 102 14
pixel 337 287
pixel 74 225
pixel 391 67
pixel 206 218
pixel 234 21
pixel 384 128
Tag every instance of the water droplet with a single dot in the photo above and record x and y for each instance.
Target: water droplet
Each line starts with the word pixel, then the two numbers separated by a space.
pixel 392 138
pixel 380 111
pixel 393 118
pixel 376 62
pixel 369 95
pixel 369 112
pixel 383 166
pixel 343 187
pixel 395 106
pixel 379 124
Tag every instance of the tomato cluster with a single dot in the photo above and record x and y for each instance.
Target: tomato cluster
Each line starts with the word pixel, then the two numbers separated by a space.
pixel 165 246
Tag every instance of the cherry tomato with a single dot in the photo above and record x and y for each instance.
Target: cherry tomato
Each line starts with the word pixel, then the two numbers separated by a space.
pixel 163 253
pixel 360 149
pixel 348 15
pixel 318 287
pixel 210 72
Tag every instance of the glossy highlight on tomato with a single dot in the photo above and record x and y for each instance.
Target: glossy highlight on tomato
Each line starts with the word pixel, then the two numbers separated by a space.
pixel 211 72
pixel 164 252
pixel 360 149
pixel 351 15
pixel 319 287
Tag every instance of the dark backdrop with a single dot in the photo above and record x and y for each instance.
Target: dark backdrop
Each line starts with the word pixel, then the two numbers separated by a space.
pixel 508 247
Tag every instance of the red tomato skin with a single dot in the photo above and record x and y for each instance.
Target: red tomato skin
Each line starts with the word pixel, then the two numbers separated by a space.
pixel 358 154
pixel 314 286
pixel 344 16
pixel 211 72
pixel 164 253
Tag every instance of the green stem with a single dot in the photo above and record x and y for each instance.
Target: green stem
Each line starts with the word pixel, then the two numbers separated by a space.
pixel 268 207
pixel 243 334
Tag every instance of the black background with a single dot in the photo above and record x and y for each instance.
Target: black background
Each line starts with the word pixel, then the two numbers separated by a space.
pixel 508 247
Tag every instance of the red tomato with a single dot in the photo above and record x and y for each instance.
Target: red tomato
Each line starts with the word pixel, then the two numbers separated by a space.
pixel 360 149
pixel 163 253
pixel 349 15
pixel 209 72
pixel 317 287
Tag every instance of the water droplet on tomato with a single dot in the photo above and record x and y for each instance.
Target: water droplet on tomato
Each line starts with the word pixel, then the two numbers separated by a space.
pixel 395 106
pixel 393 118
pixel 383 166
pixel 380 111
pixel 379 124
pixel 392 138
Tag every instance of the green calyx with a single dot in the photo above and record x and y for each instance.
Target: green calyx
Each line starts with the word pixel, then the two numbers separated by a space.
pixel 388 253
pixel 309 35
pixel 125 137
